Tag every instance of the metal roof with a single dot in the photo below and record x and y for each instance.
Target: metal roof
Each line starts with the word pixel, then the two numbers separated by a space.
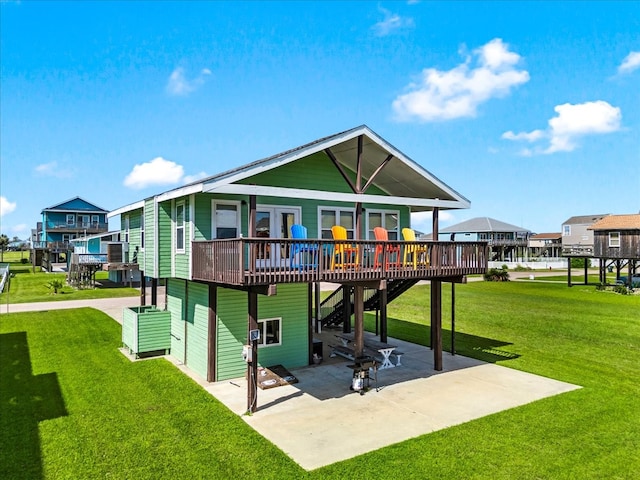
pixel 403 180
pixel 483 224
pixel 584 219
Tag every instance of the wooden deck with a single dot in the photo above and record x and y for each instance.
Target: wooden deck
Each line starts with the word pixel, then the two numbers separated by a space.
pixel 260 261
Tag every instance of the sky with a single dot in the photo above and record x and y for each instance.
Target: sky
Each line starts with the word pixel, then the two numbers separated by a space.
pixel 531 110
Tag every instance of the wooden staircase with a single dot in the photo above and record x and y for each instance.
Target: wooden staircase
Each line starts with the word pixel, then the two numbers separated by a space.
pixel 332 308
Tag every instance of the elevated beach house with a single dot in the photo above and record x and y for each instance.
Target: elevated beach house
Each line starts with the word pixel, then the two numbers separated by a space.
pixel 236 277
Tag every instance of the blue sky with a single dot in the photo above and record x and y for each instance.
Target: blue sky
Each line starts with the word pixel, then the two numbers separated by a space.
pixel 531 110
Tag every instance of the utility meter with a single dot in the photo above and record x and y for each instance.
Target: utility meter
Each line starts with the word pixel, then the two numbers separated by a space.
pixel 247 353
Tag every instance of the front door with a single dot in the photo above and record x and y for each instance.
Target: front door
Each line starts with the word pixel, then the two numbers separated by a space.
pixel 275 222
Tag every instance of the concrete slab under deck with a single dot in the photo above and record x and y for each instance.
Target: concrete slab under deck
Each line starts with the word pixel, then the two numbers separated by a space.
pixel 314 421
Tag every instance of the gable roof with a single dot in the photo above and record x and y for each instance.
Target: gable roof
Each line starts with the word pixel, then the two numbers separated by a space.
pixel 618 222
pixel 584 219
pixel 75 204
pixel 403 180
pixel 544 236
pixel 483 224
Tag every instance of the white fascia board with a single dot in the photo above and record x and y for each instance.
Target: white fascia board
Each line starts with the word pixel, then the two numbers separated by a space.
pixel 416 167
pixel 287 158
pixel 421 203
pixel 180 192
pixel 125 209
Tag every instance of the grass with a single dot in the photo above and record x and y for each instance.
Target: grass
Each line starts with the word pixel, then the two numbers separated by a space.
pixel 26 287
pixel 73 407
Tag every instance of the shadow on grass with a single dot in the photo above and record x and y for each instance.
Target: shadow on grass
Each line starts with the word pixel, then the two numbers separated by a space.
pixel 25 400
pixel 481 348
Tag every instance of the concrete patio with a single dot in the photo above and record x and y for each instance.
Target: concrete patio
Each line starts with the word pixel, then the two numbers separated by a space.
pixel 313 421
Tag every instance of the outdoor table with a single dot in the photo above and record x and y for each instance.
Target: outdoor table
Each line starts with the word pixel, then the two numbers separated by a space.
pixel 383 348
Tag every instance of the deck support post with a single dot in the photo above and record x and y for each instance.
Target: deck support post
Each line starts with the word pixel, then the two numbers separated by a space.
pixel 143 289
pixel 346 309
pixel 436 323
pixel 252 366
pixel 154 291
pixel 358 336
pixel 569 271
pixel 453 318
pixel 211 333
pixel 383 314
pixel 310 321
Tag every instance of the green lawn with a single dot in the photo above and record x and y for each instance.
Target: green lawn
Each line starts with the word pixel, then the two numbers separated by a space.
pixel 26 287
pixel 74 407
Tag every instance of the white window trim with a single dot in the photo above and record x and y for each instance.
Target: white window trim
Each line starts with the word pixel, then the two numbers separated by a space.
pixel 175 226
pixel 337 210
pixel 384 213
pixel 617 243
pixel 262 325
pixel 72 217
pixel 126 228
pixel 236 203
pixel 566 230
pixel 142 239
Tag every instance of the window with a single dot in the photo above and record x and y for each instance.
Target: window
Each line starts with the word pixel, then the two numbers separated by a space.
pixel 387 219
pixel 95 221
pixel 126 228
pixel 180 227
pixel 614 239
pixel 337 216
pixel 71 219
pixel 566 230
pixel 84 221
pixel 142 231
pixel 226 220
pixel 270 331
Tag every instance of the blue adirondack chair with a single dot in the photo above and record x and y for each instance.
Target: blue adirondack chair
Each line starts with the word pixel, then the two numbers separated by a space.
pixel 305 253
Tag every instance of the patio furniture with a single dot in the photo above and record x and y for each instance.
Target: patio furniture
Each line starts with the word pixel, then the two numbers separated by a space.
pixel 344 254
pixel 387 251
pixel 418 253
pixel 306 253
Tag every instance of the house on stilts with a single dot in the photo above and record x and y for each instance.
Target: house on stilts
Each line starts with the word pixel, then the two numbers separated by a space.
pixel 235 276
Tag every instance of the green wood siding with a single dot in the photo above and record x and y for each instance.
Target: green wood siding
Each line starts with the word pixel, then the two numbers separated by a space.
pixel 164 240
pixel 316 172
pixel 290 304
pixel 181 260
pixel 146 329
pixel 232 333
pixel 150 248
pixel 197 327
pixel 175 305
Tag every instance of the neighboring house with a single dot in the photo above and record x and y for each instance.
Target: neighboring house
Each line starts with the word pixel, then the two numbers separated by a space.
pixel 617 243
pixel 223 246
pixel 577 239
pixel 103 251
pixel 65 221
pixel 506 242
pixel 547 245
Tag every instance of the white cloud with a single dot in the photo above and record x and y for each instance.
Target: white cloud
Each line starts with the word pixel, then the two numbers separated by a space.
pixel 571 123
pixel 52 169
pixel 445 95
pixel 6 206
pixel 630 63
pixel 529 137
pixel 179 85
pixel 156 172
pixel 392 22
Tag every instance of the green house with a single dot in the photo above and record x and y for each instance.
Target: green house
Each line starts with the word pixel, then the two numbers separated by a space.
pixel 224 248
